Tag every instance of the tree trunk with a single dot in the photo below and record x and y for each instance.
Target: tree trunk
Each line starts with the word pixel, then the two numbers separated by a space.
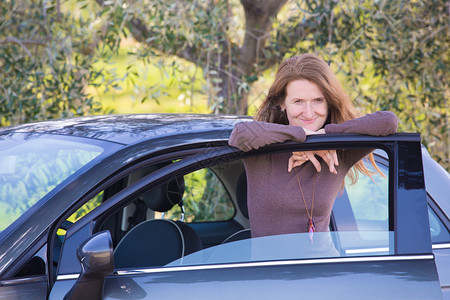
pixel 259 17
pixel 235 64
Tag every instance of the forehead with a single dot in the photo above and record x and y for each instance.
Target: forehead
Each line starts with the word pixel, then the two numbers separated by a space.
pixel 304 89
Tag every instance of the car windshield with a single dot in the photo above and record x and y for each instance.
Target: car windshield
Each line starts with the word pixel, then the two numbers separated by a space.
pixel 32 166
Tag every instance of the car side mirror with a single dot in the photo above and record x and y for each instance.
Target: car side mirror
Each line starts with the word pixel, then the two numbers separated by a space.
pixel 97 261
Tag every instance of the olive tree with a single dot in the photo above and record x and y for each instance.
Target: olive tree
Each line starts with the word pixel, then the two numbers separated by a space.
pixel 46 59
pixel 390 55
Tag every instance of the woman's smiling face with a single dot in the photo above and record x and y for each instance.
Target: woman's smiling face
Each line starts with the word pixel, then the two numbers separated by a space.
pixel 305 105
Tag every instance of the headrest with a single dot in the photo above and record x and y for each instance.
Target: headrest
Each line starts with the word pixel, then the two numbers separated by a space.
pixel 163 197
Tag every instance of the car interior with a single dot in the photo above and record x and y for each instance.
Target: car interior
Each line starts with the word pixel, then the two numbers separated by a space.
pixel 154 229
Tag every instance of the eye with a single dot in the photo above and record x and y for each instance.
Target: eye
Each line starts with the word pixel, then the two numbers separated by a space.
pixel 319 100
pixel 298 101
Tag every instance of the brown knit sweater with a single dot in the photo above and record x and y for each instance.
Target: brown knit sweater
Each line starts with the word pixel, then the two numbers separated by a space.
pixel 274 200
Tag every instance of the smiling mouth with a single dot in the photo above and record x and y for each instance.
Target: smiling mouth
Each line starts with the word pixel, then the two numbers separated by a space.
pixel 308 121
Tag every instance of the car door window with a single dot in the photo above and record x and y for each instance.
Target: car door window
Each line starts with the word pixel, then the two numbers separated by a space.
pixel 364 205
pixel 205 199
pixel 369 200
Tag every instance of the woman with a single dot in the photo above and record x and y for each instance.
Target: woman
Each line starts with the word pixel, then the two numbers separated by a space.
pixel 305 98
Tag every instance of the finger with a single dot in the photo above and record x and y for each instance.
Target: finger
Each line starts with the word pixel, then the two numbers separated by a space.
pixel 299 157
pixel 334 154
pixel 299 154
pixel 325 157
pixel 295 161
pixel 330 162
pixel 298 163
pixel 290 163
pixel 314 160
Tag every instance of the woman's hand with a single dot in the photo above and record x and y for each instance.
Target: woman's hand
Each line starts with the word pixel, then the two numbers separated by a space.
pixel 299 158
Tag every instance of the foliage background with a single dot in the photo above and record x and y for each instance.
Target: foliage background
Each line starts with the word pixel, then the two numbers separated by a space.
pixel 69 58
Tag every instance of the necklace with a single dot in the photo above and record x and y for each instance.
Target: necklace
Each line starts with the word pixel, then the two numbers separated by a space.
pixel 311 225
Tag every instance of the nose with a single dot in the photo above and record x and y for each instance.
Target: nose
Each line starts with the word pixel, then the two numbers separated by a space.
pixel 308 112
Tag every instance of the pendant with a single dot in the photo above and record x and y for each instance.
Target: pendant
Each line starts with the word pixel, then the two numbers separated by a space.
pixel 311 229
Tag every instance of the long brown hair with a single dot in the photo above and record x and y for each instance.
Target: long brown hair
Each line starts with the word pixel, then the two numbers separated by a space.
pixel 312 68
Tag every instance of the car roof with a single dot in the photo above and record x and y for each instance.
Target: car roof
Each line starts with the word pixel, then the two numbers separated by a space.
pixel 130 128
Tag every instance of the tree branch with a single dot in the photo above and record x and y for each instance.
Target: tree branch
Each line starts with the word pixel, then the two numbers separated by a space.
pixel 286 38
pixel 142 34
pixel 22 43
pixel 259 16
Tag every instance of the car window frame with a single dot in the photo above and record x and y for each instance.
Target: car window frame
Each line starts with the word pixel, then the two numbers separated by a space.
pixel 217 154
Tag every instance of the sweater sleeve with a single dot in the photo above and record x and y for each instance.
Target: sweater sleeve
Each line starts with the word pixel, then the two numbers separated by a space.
pixel 252 135
pixel 380 123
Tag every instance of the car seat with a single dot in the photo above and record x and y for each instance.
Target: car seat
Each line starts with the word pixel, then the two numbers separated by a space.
pixel 157 242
